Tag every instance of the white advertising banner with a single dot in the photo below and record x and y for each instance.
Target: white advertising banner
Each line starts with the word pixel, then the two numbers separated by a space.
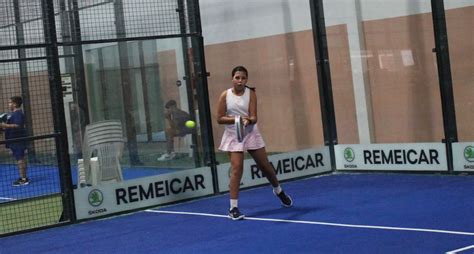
pixel 463 156
pixel 405 156
pixel 111 197
pixel 287 166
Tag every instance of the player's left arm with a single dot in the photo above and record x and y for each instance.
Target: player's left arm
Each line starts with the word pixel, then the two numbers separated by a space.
pixel 173 124
pixel 252 117
pixel 9 125
pixel 16 121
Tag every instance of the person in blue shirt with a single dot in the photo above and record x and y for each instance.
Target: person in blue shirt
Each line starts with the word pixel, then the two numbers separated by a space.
pixel 15 128
pixel 176 119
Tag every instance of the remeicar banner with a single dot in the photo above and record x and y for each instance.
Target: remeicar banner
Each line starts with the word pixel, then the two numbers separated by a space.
pixel 111 197
pixel 287 166
pixel 406 156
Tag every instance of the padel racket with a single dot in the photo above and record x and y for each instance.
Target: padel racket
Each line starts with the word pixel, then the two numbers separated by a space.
pixel 3 117
pixel 240 128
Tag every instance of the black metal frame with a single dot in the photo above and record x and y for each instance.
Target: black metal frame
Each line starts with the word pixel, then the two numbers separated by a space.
pixel 20 37
pixel 126 84
pixel 444 74
pixel 79 84
pixel 445 79
pixel 205 118
pixel 59 121
pixel 324 76
pixel 198 96
pixel 188 77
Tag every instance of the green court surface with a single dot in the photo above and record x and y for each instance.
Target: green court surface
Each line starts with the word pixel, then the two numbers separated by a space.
pixel 31 213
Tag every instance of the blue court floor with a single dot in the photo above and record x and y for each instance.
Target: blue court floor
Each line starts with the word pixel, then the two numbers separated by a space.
pixel 339 213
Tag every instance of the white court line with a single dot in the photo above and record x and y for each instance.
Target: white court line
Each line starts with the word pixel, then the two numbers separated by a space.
pixel 2 198
pixel 461 249
pixel 322 223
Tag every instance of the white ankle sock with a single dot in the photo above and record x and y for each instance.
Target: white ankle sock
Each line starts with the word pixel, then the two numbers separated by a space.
pixel 234 203
pixel 277 189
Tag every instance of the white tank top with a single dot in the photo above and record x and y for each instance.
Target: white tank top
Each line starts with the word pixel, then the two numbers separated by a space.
pixel 238 105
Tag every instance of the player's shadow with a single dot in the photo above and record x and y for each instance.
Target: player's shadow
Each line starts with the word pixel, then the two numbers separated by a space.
pixel 291 213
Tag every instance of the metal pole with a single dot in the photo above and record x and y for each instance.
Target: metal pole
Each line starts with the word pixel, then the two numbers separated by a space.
pixel 324 76
pixel 445 79
pixel 25 89
pixel 126 84
pixel 59 121
pixel 79 87
pixel 189 87
pixel 205 119
pixel 143 76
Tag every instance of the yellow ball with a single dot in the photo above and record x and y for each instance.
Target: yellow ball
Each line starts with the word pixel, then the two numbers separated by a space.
pixel 190 124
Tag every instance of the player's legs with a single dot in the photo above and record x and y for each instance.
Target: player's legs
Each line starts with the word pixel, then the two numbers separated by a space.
pixel 19 154
pixel 237 165
pixel 22 167
pixel 170 134
pixel 261 158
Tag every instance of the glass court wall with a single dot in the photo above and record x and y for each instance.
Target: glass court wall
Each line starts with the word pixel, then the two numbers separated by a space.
pixel 80 65
pixel 124 60
pixel 130 80
pixel 383 72
pixel 391 106
pixel 142 68
pixel 461 57
pixel 274 42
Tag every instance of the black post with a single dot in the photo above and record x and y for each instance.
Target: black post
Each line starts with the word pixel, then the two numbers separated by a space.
pixel 126 84
pixel 102 82
pixel 25 88
pixel 324 76
pixel 79 89
pixel 188 78
pixel 205 119
pixel 143 76
pixel 59 121
pixel 445 79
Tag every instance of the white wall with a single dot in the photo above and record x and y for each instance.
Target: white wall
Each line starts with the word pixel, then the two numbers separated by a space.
pixel 230 20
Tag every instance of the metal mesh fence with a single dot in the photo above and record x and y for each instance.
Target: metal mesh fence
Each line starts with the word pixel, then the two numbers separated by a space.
pixel 31 193
pixel 34 205
pixel 40 42
pixel 21 22
pixel 38 203
pixel 137 18
pixel 89 20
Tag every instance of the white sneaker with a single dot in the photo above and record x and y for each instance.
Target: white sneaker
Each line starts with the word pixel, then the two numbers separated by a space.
pixel 167 156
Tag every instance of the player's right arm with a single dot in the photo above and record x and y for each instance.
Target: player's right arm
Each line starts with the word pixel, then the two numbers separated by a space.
pixel 222 117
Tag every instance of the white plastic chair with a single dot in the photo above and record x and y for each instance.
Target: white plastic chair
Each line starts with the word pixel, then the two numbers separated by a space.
pixel 182 145
pixel 105 140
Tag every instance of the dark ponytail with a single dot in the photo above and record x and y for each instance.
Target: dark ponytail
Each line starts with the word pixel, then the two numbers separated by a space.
pixel 251 88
